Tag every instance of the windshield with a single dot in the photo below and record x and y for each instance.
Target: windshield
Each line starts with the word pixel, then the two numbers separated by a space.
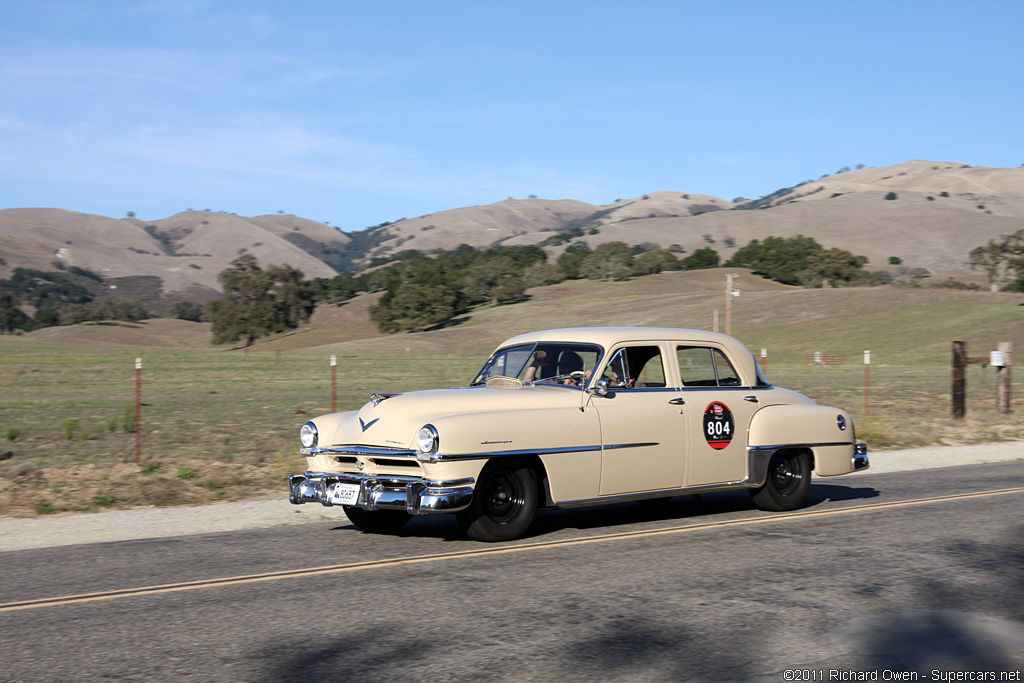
pixel 543 363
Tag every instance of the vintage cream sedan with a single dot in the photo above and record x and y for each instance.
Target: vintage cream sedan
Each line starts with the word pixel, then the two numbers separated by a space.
pixel 575 417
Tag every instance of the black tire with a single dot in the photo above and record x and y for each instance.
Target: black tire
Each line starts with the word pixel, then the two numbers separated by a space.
pixel 504 502
pixel 789 479
pixel 377 521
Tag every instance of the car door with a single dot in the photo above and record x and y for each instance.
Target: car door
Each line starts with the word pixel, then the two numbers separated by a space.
pixel 643 432
pixel 718 409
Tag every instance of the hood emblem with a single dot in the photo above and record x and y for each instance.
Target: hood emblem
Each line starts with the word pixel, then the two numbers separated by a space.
pixel 367 425
pixel 377 398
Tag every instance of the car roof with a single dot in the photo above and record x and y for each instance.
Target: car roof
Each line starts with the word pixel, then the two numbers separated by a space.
pixel 609 336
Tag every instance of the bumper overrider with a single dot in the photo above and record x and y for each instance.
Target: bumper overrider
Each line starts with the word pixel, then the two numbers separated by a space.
pixel 414 495
pixel 860 457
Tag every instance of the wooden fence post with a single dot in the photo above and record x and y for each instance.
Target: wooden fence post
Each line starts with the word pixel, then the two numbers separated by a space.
pixel 959 380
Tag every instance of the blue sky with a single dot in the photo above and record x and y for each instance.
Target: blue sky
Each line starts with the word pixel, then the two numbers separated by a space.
pixel 355 113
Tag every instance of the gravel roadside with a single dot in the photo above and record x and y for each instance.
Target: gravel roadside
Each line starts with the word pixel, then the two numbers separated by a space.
pixel 124 525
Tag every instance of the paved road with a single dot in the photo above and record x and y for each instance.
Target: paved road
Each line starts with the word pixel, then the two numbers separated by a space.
pixel 897 572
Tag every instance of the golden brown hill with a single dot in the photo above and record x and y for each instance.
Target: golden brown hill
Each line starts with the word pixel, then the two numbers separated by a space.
pixel 929 214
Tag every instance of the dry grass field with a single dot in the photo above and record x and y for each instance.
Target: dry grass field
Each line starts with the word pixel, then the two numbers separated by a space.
pixel 221 424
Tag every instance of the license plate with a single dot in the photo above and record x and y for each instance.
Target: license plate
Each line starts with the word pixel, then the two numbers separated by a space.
pixel 343 494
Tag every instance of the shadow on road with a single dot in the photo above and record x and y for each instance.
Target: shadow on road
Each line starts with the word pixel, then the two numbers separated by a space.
pixel 704 507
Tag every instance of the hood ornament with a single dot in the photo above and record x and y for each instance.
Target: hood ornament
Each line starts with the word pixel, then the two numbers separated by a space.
pixel 367 425
pixel 377 398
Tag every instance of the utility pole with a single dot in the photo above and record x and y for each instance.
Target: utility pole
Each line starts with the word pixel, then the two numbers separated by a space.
pixel 730 292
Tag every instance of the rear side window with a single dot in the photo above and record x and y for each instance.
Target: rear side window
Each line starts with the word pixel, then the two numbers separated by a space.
pixel 700 366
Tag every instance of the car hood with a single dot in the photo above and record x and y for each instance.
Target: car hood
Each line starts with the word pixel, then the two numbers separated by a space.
pixel 393 422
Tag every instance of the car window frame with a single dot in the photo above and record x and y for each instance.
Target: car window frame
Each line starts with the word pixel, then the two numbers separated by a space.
pixel 711 348
pixel 666 369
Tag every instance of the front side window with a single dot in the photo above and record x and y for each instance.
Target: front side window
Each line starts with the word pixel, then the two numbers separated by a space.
pixel 701 366
pixel 547 363
pixel 636 367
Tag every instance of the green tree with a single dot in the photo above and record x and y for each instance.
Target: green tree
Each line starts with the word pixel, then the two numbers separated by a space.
pixel 705 257
pixel 493 279
pixel 834 268
pixel 259 302
pixel 656 261
pixel 540 274
pixel 412 307
pixel 1002 259
pixel 11 317
pixel 609 261
pixel 187 310
pixel 777 258
pixel 571 261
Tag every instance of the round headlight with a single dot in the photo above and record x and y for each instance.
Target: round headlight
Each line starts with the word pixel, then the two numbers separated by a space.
pixel 426 441
pixel 308 435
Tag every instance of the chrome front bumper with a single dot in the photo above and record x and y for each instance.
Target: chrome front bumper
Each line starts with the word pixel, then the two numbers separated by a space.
pixel 412 494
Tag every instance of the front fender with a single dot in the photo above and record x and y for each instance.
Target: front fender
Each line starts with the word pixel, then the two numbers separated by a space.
pixel 507 432
pixel 567 441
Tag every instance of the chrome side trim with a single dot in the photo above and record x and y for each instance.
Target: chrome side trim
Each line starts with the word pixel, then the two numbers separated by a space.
pixel 526 451
pixel 537 451
pixel 780 446
pixel 615 446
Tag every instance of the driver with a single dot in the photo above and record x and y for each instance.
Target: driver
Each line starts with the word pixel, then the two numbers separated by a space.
pixel 543 366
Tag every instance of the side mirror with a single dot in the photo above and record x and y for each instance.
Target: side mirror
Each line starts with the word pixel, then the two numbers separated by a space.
pixel 601 387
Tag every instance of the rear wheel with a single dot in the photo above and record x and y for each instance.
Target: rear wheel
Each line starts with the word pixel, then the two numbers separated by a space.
pixel 789 479
pixel 504 502
pixel 377 521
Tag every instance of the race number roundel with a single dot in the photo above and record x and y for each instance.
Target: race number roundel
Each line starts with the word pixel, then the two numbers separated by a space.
pixel 718 425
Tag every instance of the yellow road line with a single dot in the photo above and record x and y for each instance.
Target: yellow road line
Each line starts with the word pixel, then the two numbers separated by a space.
pixel 486 551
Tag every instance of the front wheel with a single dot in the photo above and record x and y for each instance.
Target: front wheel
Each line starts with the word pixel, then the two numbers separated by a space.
pixel 504 502
pixel 377 521
pixel 789 479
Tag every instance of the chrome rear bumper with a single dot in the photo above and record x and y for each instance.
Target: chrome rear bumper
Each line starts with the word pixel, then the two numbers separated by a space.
pixel 860 457
pixel 412 494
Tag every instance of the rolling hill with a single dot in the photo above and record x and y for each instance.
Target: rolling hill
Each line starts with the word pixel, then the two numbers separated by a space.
pixel 928 214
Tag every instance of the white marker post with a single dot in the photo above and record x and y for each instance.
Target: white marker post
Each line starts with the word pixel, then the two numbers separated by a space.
pixel 334 383
pixel 867 381
pixel 138 411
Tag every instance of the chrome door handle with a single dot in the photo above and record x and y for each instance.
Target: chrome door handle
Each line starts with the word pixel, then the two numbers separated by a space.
pixel 677 402
pixel 752 399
